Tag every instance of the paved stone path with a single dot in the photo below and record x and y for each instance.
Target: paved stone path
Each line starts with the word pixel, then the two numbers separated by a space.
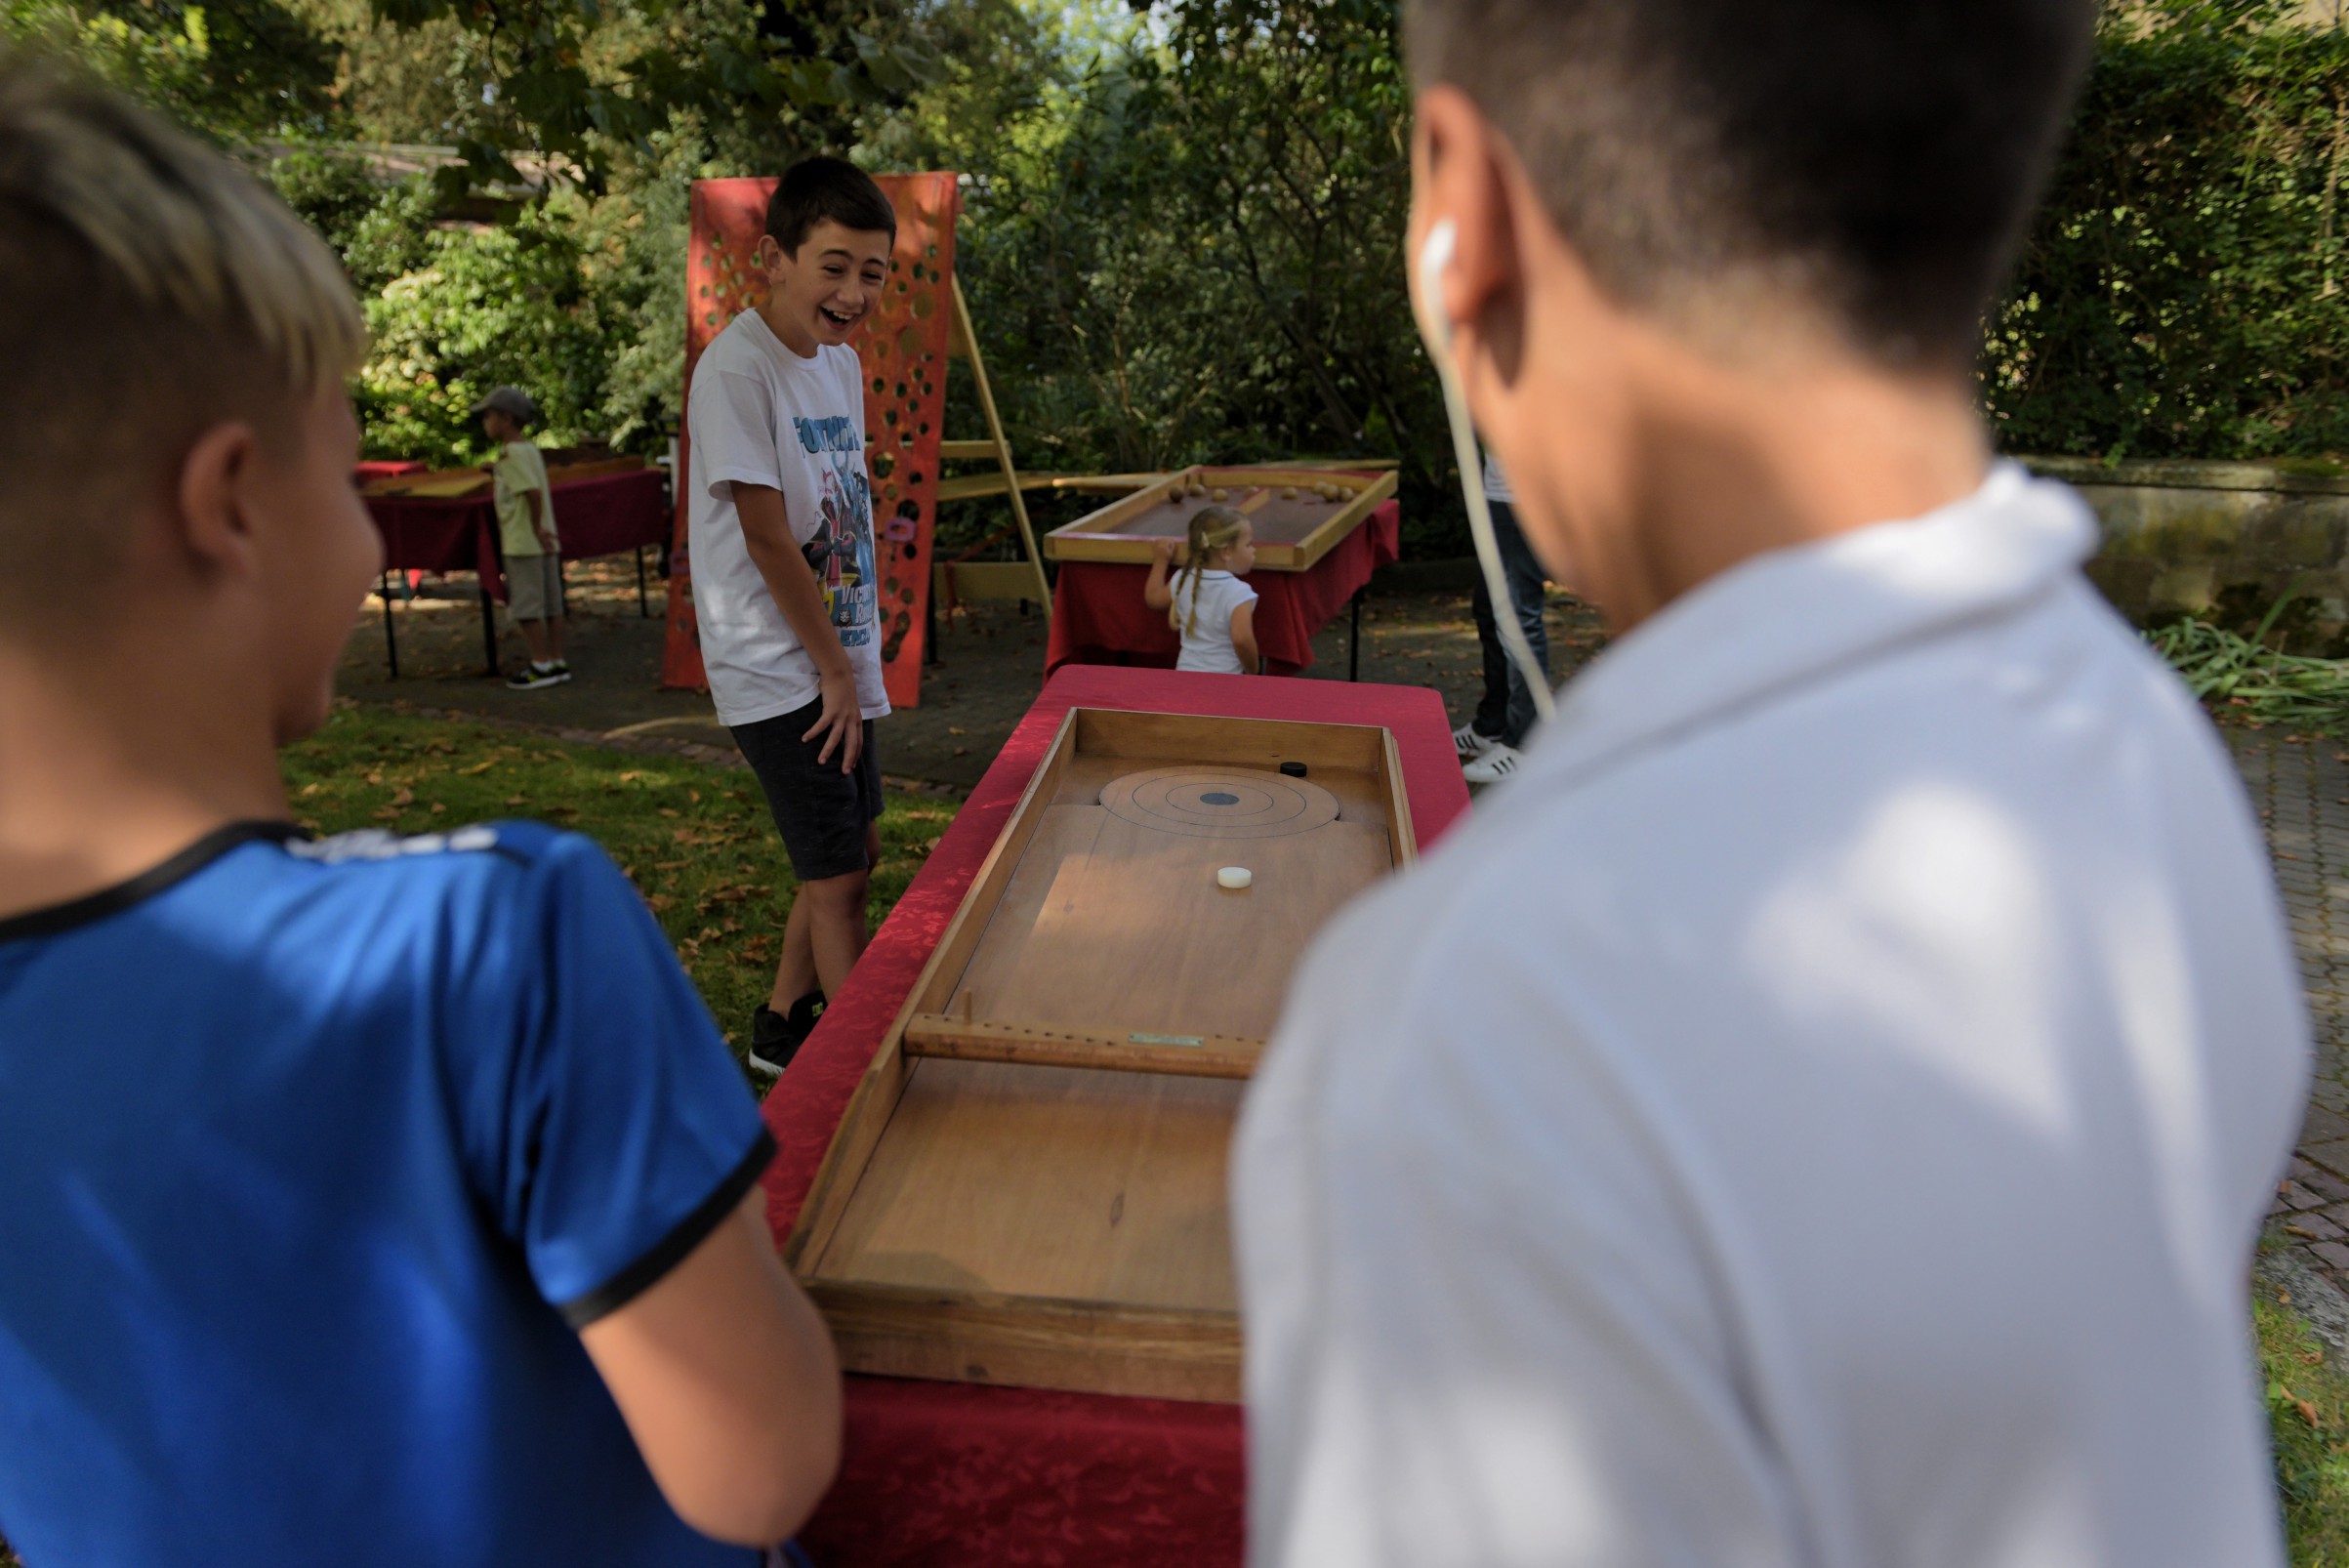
pixel 2302 789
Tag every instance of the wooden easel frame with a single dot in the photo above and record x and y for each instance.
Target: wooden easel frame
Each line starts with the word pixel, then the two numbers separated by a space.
pixel 962 343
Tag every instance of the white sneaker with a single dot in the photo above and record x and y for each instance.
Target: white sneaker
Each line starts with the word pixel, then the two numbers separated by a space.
pixel 1469 742
pixel 1499 762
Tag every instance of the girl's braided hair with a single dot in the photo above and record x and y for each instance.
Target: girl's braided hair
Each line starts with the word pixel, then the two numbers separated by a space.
pixel 1213 528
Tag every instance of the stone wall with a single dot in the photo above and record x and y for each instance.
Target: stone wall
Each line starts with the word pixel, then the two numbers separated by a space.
pixel 2223 539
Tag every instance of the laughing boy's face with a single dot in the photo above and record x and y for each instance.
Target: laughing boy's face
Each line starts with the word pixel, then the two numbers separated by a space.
pixel 818 296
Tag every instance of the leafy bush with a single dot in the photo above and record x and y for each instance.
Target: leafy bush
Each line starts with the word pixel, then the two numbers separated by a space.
pixel 2182 292
pixel 487 305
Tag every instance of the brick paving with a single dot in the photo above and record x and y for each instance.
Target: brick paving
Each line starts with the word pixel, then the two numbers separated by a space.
pixel 2302 789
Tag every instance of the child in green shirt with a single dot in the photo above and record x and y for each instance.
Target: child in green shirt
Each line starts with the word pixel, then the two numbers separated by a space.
pixel 526 533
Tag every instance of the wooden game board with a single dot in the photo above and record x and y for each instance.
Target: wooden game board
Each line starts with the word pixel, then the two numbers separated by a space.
pixel 1299 514
pixel 1029 1185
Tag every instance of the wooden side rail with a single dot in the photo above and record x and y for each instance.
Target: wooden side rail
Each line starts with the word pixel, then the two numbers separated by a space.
pixel 938 1034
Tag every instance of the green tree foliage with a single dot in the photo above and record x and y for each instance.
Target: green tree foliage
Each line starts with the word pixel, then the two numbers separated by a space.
pixel 2182 291
pixel 231 71
pixel 590 84
pixel 486 305
pixel 1183 229
pixel 1186 245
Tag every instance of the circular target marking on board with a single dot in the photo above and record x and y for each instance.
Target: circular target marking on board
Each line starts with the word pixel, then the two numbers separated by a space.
pixel 1220 802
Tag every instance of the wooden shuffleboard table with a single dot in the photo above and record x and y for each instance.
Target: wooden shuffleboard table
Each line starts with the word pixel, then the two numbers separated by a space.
pixel 1064 1354
pixel 1319 535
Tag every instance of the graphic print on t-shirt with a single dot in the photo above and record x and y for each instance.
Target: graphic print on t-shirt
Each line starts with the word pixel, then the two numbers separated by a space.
pixel 840 554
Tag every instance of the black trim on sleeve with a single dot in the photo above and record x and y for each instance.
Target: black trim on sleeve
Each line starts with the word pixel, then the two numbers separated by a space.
pixel 147 884
pixel 670 1250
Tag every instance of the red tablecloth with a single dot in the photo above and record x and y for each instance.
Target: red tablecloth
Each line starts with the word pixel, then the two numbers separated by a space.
pixel 612 513
pixel 1098 616
pixel 387 468
pixel 951 1473
pixel 594 517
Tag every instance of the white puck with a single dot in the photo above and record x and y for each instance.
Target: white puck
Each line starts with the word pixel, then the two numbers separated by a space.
pixel 1234 876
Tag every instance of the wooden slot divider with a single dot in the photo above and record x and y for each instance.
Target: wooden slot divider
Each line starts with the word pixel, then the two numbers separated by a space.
pixel 963 1038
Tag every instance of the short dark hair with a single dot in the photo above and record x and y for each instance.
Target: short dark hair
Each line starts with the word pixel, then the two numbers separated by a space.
pixel 1877 157
pixel 816 188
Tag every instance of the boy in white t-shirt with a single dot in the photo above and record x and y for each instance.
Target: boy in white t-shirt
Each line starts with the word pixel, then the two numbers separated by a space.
pixel 785 589
pixel 1818 1113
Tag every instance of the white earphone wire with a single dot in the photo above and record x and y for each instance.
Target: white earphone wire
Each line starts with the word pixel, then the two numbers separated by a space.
pixel 1435 259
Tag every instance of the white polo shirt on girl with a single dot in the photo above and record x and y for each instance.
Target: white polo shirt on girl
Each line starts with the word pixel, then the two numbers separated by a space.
pixel 1207 634
pixel 759 414
pixel 1818 1113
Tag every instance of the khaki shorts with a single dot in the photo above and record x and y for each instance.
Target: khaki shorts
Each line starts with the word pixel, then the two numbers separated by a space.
pixel 534 587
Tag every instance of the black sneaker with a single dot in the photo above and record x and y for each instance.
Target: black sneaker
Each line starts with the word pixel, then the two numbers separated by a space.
pixel 539 675
pixel 776 1037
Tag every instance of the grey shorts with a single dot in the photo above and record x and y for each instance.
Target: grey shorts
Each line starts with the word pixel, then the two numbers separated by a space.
pixel 820 812
pixel 534 587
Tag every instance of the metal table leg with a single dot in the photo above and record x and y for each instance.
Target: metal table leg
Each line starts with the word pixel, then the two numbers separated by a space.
pixel 644 610
pixel 391 637
pixel 489 629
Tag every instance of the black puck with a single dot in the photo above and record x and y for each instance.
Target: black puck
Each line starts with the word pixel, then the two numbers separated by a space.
pixel 1294 770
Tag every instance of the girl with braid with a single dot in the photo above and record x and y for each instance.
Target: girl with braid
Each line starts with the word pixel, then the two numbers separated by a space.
pixel 1212 610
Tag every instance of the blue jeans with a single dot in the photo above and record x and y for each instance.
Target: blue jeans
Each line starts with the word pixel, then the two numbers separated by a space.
pixel 1506 712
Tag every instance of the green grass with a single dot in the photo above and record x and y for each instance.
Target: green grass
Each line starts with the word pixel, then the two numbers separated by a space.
pixel 695 839
pixel 2308 1416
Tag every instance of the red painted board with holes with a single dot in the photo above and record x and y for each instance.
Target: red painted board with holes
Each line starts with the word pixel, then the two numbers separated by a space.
pixel 902 344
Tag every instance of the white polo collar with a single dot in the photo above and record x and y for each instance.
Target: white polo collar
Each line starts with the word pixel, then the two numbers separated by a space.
pixel 1793 616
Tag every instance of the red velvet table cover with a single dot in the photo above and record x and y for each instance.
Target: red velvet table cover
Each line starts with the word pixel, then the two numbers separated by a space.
pixel 612 513
pixel 1098 616
pixel 602 516
pixel 376 468
pixel 437 534
pixel 961 1473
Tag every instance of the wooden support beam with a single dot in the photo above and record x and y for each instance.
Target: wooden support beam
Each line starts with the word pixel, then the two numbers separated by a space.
pixel 1003 447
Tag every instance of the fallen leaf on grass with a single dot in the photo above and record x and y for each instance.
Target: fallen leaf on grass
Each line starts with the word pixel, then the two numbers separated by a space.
pixel 477 767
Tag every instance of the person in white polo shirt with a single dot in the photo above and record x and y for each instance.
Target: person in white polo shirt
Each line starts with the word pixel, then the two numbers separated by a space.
pixel 1820 1111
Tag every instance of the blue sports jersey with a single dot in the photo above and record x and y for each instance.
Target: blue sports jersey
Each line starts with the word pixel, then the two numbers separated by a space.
pixel 314 1157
